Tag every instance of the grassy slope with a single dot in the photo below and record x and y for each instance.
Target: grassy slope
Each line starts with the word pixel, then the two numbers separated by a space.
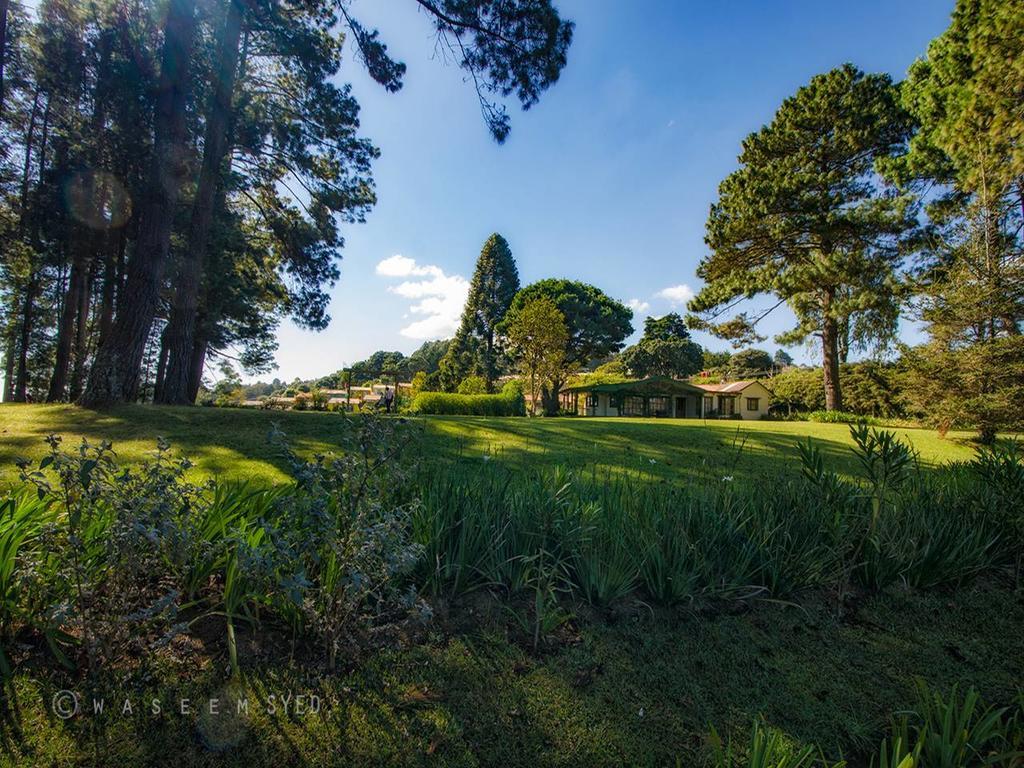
pixel 233 443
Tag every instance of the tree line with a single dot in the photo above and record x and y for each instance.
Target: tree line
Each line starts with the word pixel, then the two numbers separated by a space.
pixel 175 176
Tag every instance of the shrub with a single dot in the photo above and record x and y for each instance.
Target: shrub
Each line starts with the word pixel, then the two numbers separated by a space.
pixel 101 559
pixel 508 403
pixel 472 385
pixel 301 402
pixel 318 400
pixel 841 417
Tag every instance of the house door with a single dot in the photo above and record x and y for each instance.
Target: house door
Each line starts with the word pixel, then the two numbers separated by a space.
pixel 680 407
pixel 727 406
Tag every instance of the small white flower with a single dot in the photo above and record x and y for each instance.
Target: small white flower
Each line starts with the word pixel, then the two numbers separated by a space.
pixel 487 457
pixel 640 713
pixel 727 479
pixel 654 461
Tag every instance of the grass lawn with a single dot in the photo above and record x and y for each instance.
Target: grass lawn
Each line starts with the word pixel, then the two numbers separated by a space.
pixel 628 685
pixel 232 443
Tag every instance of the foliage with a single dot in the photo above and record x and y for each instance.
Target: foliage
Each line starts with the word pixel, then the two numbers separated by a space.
pixel 768 748
pixel 318 400
pixel 797 389
pixel 665 350
pixel 965 158
pixel 675 545
pixel 839 417
pixel 750 363
pixel 938 732
pixel 475 349
pixel 111 562
pixel 224 128
pixel 871 390
pixel 536 336
pixel 781 359
pixel 805 220
pixel 354 538
pixel 596 325
pixel 420 383
pixel 472 385
pixel 509 402
pixel 714 359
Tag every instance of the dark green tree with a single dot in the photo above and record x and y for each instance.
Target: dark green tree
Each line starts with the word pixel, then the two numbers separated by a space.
pixel 494 284
pixel 967 159
pixel 428 357
pixel 249 88
pixel 781 359
pixel 597 325
pixel 750 363
pixel 807 220
pixel 716 359
pixel 666 349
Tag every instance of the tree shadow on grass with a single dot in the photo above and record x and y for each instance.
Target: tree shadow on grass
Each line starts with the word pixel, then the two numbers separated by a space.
pixel 229 443
pixel 677 452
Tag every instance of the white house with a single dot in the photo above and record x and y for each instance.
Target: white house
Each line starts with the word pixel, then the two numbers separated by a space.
pixel 745 399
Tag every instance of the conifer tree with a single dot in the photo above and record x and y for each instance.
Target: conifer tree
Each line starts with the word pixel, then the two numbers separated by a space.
pixel 806 220
pixel 494 284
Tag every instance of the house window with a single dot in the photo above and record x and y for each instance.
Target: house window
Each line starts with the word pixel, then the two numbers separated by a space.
pixel 726 406
pixel 658 406
pixel 592 400
pixel 632 406
pixel 709 405
pixel 753 403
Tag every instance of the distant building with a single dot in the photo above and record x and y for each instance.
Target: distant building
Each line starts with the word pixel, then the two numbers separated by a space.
pixel 664 397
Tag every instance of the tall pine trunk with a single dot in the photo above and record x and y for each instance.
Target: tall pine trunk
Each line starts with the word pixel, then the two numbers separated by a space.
pixel 81 349
pixel 28 311
pixel 161 369
pixel 114 376
pixel 195 377
pixel 830 355
pixel 66 327
pixel 181 328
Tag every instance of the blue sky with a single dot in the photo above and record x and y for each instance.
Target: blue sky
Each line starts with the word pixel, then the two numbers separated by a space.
pixel 607 180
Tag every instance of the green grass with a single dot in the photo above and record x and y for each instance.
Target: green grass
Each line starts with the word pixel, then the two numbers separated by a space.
pixel 232 443
pixel 628 684
pixel 641 689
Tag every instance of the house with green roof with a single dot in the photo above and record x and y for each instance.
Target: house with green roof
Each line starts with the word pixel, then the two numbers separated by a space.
pixel 665 397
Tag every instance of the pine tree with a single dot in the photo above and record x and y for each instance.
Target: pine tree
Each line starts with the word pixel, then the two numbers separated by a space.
pixel 494 285
pixel 806 220
pixel 968 157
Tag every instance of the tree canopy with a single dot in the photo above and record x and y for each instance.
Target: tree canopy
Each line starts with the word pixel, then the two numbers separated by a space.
pixel 967 160
pixel 806 220
pixel 596 324
pixel 665 349
pixel 176 178
pixel 537 337
pixel 494 284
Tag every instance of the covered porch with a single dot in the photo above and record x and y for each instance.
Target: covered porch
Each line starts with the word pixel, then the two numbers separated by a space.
pixel 656 397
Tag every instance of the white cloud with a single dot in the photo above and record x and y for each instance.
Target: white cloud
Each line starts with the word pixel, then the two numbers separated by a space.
pixel 677 295
pixel 402 266
pixel 638 306
pixel 440 297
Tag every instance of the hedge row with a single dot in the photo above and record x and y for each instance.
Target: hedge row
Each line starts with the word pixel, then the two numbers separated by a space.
pixel 842 417
pixel 508 403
